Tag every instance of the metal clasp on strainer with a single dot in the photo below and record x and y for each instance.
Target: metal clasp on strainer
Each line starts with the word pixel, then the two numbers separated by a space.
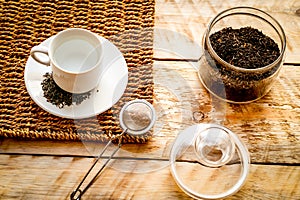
pixel 137 117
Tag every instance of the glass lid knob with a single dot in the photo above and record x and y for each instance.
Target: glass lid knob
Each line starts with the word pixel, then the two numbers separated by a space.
pixel 214 147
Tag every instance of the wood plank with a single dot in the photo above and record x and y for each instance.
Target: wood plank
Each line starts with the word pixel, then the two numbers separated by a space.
pixel 46 177
pixel 269 127
pixel 180 25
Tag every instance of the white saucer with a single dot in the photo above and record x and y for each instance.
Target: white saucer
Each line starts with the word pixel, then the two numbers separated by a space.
pixel 104 96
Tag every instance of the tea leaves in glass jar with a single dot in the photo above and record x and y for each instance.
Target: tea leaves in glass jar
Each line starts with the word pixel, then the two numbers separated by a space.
pixel 245 47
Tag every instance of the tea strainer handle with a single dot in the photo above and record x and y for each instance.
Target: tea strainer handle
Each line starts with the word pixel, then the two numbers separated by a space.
pixel 77 193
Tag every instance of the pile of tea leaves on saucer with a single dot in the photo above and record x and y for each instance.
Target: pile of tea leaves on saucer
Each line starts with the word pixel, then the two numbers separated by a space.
pixel 59 97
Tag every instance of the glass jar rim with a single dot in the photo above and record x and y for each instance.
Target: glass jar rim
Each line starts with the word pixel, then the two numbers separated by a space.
pixel 282 37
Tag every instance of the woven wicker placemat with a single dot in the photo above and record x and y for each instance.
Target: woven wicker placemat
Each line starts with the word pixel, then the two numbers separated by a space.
pixel 128 24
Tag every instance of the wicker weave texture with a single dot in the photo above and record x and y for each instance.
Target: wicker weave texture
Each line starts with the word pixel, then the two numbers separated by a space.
pixel 24 24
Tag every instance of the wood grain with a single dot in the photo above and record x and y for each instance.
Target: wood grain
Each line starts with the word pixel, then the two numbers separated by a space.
pixel 180 25
pixel 269 127
pixel 48 177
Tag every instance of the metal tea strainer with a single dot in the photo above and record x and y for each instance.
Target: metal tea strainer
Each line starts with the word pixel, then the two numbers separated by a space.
pixel 137 117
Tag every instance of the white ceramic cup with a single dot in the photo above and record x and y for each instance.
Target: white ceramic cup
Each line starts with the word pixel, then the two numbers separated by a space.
pixel 75 57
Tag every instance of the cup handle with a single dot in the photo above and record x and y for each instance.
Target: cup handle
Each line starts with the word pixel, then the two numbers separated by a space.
pixel 40 50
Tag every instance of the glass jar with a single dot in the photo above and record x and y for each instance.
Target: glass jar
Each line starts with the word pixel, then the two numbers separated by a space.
pixel 238 84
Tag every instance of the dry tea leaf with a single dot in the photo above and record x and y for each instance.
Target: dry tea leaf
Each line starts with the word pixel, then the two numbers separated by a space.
pixel 59 97
pixel 245 47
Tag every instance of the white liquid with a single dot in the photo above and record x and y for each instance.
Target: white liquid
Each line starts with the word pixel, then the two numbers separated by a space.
pixel 76 55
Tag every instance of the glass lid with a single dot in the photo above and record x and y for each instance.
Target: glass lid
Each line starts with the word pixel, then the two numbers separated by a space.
pixel 208 161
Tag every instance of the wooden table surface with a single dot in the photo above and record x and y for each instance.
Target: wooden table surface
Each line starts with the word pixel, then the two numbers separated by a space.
pixel 270 127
